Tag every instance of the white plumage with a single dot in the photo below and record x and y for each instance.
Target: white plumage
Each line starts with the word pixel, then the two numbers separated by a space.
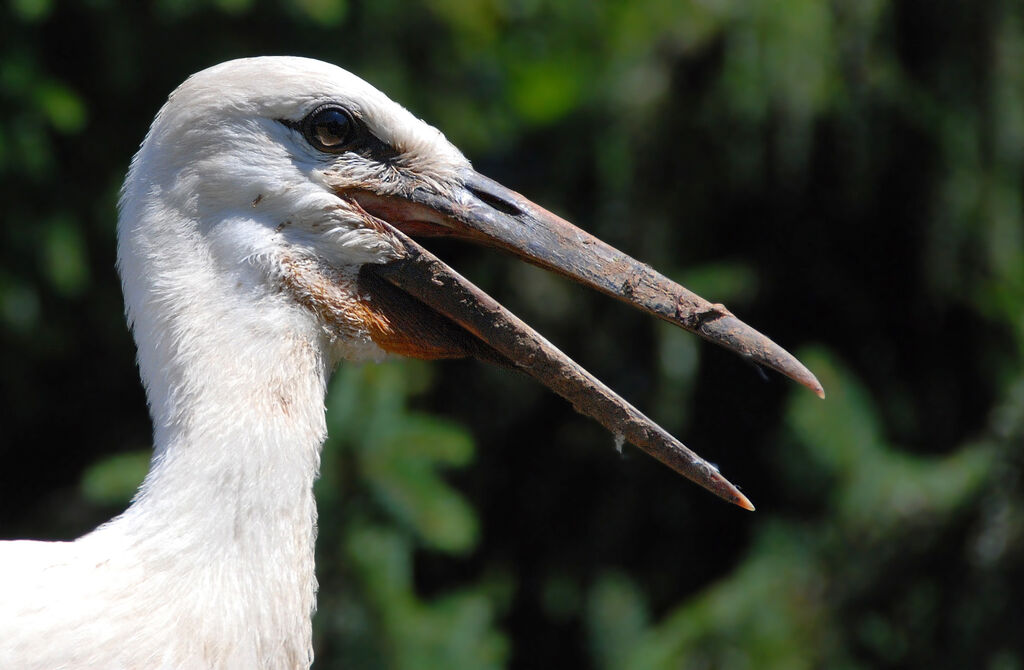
pixel 212 565
pixel 242 236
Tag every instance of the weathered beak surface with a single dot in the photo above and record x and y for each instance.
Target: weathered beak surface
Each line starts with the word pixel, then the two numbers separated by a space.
pixel 483 211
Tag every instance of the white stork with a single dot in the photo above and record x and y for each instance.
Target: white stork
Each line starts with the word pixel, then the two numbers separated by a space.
pixel 264 236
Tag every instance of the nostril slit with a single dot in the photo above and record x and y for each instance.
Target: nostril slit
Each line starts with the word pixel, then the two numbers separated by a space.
pixel 497 203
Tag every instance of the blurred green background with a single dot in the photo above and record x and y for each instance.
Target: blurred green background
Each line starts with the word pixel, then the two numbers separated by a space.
pixel 847 176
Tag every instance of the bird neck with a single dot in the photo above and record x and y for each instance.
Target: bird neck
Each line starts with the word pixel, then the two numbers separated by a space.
pixel 235 376
pixel 237 443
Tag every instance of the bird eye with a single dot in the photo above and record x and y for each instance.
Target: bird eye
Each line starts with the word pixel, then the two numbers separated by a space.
pixel 329 129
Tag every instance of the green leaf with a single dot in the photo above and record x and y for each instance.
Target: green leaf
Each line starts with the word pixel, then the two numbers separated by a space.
pixel 616 620
pixel 546 90
pixel 875 484
pixel 328 13
pixel 414 495
pixel 65 258
pixel 454 631
pixel 722 282
pixel 428 438
pixel 114 480
pixel 32 10
pixel 62 107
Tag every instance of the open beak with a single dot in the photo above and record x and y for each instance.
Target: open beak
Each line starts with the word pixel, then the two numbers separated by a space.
pixel 483 211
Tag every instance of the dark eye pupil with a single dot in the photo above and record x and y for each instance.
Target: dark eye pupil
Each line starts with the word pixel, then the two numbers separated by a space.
pixel 330 129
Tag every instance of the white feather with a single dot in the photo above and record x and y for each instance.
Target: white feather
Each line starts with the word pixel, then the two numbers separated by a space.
pixel 212 565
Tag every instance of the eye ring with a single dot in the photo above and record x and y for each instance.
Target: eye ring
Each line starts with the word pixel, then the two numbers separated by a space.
pixel 329 128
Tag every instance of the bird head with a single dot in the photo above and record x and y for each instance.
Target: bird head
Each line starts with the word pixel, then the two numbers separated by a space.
pixel 302 183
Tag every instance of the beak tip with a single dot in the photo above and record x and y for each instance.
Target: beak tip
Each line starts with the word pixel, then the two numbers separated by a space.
pixel 813 384
pixel 731 333
pixel 795 370
pixel 745 503
pixel 728 491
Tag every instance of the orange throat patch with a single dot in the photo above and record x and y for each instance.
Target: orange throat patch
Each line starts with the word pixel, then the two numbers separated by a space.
pixel 360 306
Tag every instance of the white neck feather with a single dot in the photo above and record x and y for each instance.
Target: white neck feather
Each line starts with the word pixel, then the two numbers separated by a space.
pixel 235 374
pixel 212 565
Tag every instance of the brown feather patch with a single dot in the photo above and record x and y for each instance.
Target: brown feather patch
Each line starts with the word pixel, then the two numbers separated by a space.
pixel 403 325
pixel 368 306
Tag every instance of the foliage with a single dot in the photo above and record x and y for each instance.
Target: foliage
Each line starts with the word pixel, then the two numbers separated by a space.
pixel 380 497
pixel 845 174
pixel 886 511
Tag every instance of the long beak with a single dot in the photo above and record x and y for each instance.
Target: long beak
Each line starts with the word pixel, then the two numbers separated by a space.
pixel 483 211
